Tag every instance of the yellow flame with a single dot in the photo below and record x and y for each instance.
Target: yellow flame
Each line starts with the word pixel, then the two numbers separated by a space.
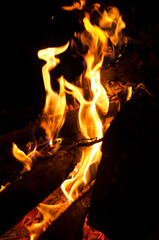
pixel 129 94
pixel 22 157
pixel 55 102
pixel 90 127
pixel 32 236
pixel 89 120
pixel 98 39
pixel 4 186
pixel 112 22
pixel 49 213
pixel 76 5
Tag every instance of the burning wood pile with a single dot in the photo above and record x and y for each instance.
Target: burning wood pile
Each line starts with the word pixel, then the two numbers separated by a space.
pixel 80 171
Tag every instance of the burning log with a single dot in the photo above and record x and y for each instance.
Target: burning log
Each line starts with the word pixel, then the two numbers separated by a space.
pixel 71 221
pixel 125 198
pixel 25 193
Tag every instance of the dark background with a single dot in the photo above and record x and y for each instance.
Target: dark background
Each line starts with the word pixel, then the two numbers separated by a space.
pixel 28 27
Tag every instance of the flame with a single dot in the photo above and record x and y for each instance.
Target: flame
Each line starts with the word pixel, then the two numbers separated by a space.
pixel 49 213
pixel 89 120
pixel 25 159
pixel 76 5
pixel 22 157
pixel 2 187
pixel 54 110
pixel 101 39
pixel 112 22
pixel 129 94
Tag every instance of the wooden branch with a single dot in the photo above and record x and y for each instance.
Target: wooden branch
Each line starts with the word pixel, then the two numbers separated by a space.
pixel 25 193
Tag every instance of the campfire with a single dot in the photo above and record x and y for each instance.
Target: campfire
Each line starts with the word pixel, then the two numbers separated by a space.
pixel 73 153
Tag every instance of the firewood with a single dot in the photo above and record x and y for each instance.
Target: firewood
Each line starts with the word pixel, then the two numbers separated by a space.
pixel 25 193
pixel 125 199
pixel 69 225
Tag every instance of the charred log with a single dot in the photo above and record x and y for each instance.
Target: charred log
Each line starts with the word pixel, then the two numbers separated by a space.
pixel 125 199
pixel 25 193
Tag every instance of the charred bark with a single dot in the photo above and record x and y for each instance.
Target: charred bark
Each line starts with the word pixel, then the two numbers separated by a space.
pixel 125 199
pixel 25 193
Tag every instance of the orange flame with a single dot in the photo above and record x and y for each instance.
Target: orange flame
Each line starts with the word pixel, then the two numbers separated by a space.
pixel 76 5
pixel 54 106
pixel 112 22
pixel 55 102
pixel 22 157
pixel 99 39
pixel 89 120
pixel 129 94
pixel 2 187
pixel 49 213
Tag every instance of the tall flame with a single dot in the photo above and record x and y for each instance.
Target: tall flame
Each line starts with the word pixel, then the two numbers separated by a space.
pixel 54 110
pixel 101 40
pixel 89 120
